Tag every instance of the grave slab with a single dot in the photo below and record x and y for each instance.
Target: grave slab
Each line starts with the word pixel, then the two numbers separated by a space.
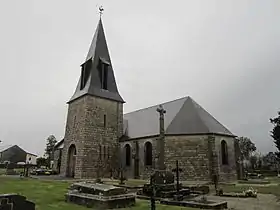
pixel 15 202
pixel 98 195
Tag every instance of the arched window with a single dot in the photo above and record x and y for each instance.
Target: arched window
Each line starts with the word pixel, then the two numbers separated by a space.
pixel 127 155
pixel 224 151
pixel 148 153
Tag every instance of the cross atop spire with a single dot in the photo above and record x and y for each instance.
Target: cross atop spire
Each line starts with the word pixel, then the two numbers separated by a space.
pixel 101 10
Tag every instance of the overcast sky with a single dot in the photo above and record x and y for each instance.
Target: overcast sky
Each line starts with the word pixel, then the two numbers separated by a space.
pixel 224 54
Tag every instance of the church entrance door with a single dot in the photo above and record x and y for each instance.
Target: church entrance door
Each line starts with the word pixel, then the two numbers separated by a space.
pixel 71 162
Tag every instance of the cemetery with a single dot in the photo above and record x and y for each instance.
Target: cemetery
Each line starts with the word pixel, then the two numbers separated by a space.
pixel 52 194
pixel 174 155
pixel 163 190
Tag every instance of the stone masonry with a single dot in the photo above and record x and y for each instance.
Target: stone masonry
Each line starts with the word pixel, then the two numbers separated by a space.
pixel 194 154
pixel 86 130
pixel 57 159
pixel 226 172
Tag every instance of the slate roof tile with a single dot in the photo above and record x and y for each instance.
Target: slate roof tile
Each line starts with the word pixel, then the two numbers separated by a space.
pixel 183 116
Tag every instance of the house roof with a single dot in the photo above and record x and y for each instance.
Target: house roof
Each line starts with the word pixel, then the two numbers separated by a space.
pixel 183 116
pixel 98 51
pixel 6 147
pixel 31 154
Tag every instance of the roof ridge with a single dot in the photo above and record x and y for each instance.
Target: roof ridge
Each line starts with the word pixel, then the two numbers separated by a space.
pixel 141 109
pixel 5 148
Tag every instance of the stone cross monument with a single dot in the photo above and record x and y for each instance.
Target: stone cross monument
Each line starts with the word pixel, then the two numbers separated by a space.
pixel 161 140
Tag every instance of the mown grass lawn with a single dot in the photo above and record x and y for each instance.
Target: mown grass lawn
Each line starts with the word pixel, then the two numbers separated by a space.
pixel 3 170
pixel 49 195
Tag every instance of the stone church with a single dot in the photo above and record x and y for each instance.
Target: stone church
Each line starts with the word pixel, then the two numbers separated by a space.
pixel 99 139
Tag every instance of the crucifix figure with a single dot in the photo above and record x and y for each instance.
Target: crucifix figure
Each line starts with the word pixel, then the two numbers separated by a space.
pixel 161 141
pixel 177 170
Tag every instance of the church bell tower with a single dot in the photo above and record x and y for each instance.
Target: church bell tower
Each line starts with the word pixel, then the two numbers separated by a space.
pixel 95 116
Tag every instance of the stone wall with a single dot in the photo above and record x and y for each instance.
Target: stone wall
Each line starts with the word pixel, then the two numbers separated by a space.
pixel 199 157
pixel 144 171
pixel 191 151
pixel 57 160
pixel 86 129
pixel 226 172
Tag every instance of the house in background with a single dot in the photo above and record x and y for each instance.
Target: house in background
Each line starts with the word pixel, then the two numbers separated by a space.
pixel 15 154
pixel 31 158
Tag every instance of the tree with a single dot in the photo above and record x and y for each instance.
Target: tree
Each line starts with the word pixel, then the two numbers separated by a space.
pixel 49 151
pixel 270 160
pixel 259 163
pixel 41 162
pixel 275 133
pixel 253 161
pixel 246 147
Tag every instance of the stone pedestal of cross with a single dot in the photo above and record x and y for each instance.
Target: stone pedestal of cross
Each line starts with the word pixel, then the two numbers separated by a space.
pixel 177 170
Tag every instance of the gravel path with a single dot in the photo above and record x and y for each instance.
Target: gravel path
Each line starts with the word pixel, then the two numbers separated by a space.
pixel 262 202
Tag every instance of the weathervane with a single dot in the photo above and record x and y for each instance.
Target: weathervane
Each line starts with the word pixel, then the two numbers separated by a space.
pixel 101 9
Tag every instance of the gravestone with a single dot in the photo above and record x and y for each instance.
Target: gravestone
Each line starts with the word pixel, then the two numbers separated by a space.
pixel 101 196
pixel 15 202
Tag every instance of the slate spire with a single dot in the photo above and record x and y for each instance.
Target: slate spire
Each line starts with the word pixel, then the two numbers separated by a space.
pixel 97 75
